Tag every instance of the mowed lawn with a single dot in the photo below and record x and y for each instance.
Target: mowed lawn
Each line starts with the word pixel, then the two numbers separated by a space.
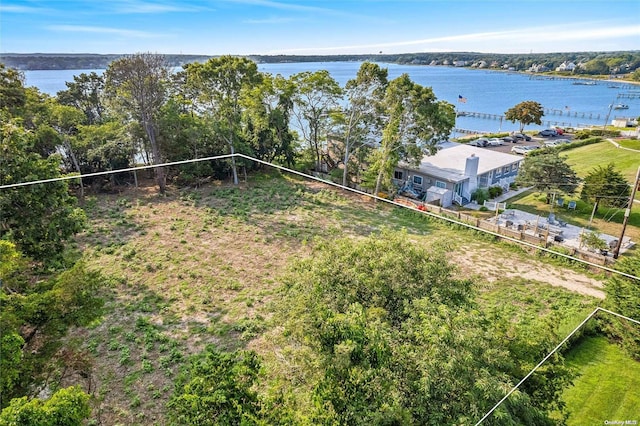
pixel 608 385
pixel 585 158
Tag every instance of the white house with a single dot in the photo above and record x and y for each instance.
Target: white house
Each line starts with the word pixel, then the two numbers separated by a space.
pixel 456 170
pixel 566 66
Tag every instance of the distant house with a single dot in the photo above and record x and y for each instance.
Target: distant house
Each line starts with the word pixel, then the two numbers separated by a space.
pixel 538 68
pixel 566 66
pixel 456 170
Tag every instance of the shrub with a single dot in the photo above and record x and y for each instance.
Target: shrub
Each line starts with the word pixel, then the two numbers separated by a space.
pixel 495 191
pixel 480 195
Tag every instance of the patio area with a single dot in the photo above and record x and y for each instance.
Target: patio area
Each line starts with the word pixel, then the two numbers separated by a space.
pixel 553 228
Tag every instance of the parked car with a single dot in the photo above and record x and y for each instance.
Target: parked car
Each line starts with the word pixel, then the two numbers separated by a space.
pixel 482 142
pixel 548 133
pixel 521 137
pixel 561 141
pixel 509 139
pixel 551 143
pixel 523 150
pixel 559 131
pixel 495 142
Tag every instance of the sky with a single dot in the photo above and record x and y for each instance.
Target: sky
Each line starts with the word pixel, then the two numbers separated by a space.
pixel 317 27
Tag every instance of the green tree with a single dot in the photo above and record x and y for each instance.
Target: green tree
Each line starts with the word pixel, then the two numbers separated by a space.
pixel 414 122
pixel 268 109
pixel 360 120
pixel 622 297
pixel 39 316
pixel 220 84
pixel 595 67
pixel 606 186
pixel 548 173
pixel 66 120
pixel 12 92
pixel 396 338
pixel 215 388
pixel 66 407
pixel 85 93
pixel 526 112
pixel 137 85
pixel 316 96
pixel 38 218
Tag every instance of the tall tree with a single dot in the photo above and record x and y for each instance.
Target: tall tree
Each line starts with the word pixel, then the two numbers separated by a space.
pixel 85 93
pixel 137 84
pixel 268 109
pixel 361 118
pixel 66 120
pixel 12 91
pixel 606 186
pixel 221 83
pixel 548 173
pixel 526 112
pixel 316 97
pixel 38 218
pixel 414 122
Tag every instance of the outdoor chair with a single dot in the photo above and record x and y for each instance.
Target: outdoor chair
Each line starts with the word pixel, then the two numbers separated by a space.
pixel 571 205
pixel 560 202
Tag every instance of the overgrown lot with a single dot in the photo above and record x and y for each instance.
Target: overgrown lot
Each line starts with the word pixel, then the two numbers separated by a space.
pixel 204 266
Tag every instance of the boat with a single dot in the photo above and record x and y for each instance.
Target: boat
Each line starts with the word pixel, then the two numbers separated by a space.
pixel 621 106
pixel 584 83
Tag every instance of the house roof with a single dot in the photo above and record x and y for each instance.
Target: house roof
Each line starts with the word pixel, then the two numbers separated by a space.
pixel 449 162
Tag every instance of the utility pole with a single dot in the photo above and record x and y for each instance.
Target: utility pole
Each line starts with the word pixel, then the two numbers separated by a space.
pixel 627 213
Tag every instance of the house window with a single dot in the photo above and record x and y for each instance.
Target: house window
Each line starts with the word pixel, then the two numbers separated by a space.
pixel 398 175
pixel 505 170
pixel 417 180
pixel 497 172
pixel 514 167
pixel 441 184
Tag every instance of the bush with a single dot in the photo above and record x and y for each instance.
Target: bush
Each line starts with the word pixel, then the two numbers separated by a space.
pixel 480 195
pixel 588 133
pixel 495 191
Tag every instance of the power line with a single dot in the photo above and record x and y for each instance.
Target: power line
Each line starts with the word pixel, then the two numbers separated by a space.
pixel 595 311
pixel 306 176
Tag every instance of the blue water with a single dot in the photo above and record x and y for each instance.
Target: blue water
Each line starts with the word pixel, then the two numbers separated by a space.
pixel 489 92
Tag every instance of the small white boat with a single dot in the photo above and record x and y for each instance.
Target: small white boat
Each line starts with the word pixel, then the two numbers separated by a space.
pixel 621 106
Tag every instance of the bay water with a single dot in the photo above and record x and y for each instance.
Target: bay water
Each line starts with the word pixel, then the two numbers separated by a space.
pixel 487 94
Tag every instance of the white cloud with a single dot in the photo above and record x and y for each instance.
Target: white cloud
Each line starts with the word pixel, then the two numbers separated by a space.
pixel 102 30
pixel 129 6
pixel 10 8
pixel 274 20
pixel 494 41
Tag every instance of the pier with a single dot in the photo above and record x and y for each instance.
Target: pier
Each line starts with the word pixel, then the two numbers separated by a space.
pixel 488 116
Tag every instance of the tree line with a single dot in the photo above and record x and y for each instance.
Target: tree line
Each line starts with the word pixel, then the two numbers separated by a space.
pixel 594 63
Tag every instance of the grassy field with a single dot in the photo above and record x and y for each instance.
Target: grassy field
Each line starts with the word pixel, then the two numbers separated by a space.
pixel 201 266
pixel 607 386
pixel 585 158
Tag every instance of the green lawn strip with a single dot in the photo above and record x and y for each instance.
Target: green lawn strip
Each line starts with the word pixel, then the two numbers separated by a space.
pixel 585 158
pixel 630 143
pixel 531 301
pixel 606 387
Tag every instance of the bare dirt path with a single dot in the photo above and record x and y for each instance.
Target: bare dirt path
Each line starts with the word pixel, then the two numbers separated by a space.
pixel 483 263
